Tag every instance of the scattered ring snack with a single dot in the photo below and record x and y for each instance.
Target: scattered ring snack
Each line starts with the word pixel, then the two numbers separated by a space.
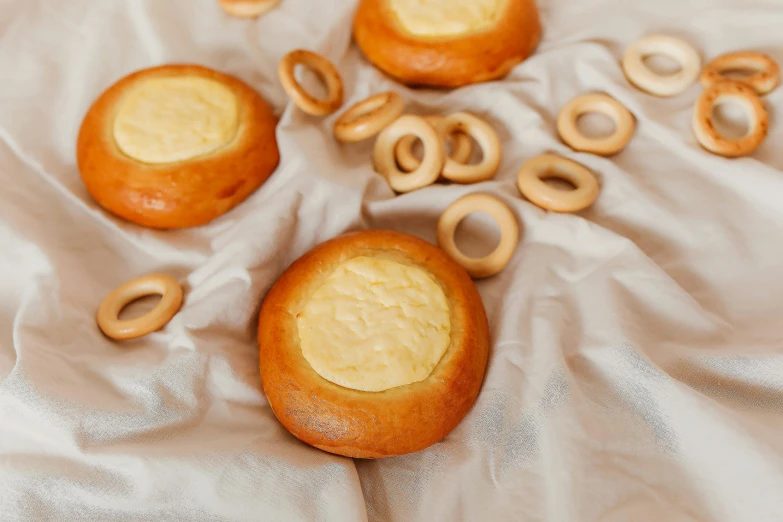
pixel 385 161
pixel 535 170
pixel 487 139
pixel 765 78
pixel 704 129
pixel 661 85
pixel 604 104
pixel 446 43
pixel 496 260
pixel 152 284
pixel 408 160
pixel 368 117
pixel 372 344
pixel 176 146
pixel 324 69
pixel 248 8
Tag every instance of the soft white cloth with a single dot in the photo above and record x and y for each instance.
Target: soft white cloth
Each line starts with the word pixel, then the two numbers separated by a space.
pixel 636 371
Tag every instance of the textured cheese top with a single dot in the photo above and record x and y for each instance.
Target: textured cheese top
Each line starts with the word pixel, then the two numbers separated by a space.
pixel 438 18
pixel 375 324
pixel 164 120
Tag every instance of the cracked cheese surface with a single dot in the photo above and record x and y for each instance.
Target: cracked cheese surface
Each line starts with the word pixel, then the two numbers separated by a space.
pixel 164 120
pixel 375 324
pixel 437 18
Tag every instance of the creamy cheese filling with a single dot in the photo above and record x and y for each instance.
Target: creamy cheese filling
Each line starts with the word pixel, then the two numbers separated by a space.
pixel 164 120
pixel 375 324
pixel 446 17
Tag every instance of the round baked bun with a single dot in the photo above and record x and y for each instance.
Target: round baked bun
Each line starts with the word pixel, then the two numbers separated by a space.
pixel 176 146
pixel 349 323
pixel 446 43
pixel 247 8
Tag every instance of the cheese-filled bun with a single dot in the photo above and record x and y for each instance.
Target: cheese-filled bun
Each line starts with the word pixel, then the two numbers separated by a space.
pixel 446 43
pixel 373 344
pixel 176 146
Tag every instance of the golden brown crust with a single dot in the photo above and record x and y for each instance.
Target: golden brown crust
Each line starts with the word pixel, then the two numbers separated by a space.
pixel 371 424
pixel 446 62
pixel 185 193
pixel 704 127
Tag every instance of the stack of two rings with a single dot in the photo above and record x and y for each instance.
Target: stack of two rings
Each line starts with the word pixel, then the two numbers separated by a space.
pixel 747 91
pixel 393 155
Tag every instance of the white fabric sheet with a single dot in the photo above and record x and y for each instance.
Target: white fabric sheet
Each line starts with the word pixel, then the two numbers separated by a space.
pixel 636 371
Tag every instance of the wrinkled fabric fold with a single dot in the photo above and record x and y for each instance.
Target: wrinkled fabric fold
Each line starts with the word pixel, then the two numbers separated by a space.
pixel 636 369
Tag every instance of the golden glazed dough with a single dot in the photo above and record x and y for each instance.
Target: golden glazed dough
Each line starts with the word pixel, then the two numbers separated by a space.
pixel 446 43
pixel 375 324
pixel 176 146
pixel 399 283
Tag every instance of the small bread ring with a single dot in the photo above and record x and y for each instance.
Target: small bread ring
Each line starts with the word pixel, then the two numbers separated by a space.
pixel 109 310
pixel 704 129
pixel 604 104
pixel 408 161
pixel 496 260
pixel 764 80
pixel 369 117
pixel 385 161
pixel 324 69
pixel 661 85
pixel 487 139
pixel 535 170
pixel 248 8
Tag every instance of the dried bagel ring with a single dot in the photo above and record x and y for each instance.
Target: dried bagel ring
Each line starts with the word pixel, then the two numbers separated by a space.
pixel 386 164
pixel 704 128
pixel 109 310
pixel 487 139
pixel 657 84
pixel 324 69
pixel 496 260
pixel 369 117
pixel 248 8
pixel 530 183
pixel 765 78
pixel 408 160
pixel 601 103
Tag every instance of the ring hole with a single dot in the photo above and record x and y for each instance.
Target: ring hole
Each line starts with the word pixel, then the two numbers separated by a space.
pixel 555 180
pixel 595 125
pixel 476 152
pixel 477 235
pixel 661 64
pixel 139 307
pixel 738 73
pixel 449 145
pixel 730 119
pixel 370 107
pixel 418 149
pixel 311 81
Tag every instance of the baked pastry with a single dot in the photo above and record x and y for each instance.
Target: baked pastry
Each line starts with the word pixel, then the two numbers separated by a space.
pixel 373 344
pixel 248 8
pixel 446 43
pixel 176 146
